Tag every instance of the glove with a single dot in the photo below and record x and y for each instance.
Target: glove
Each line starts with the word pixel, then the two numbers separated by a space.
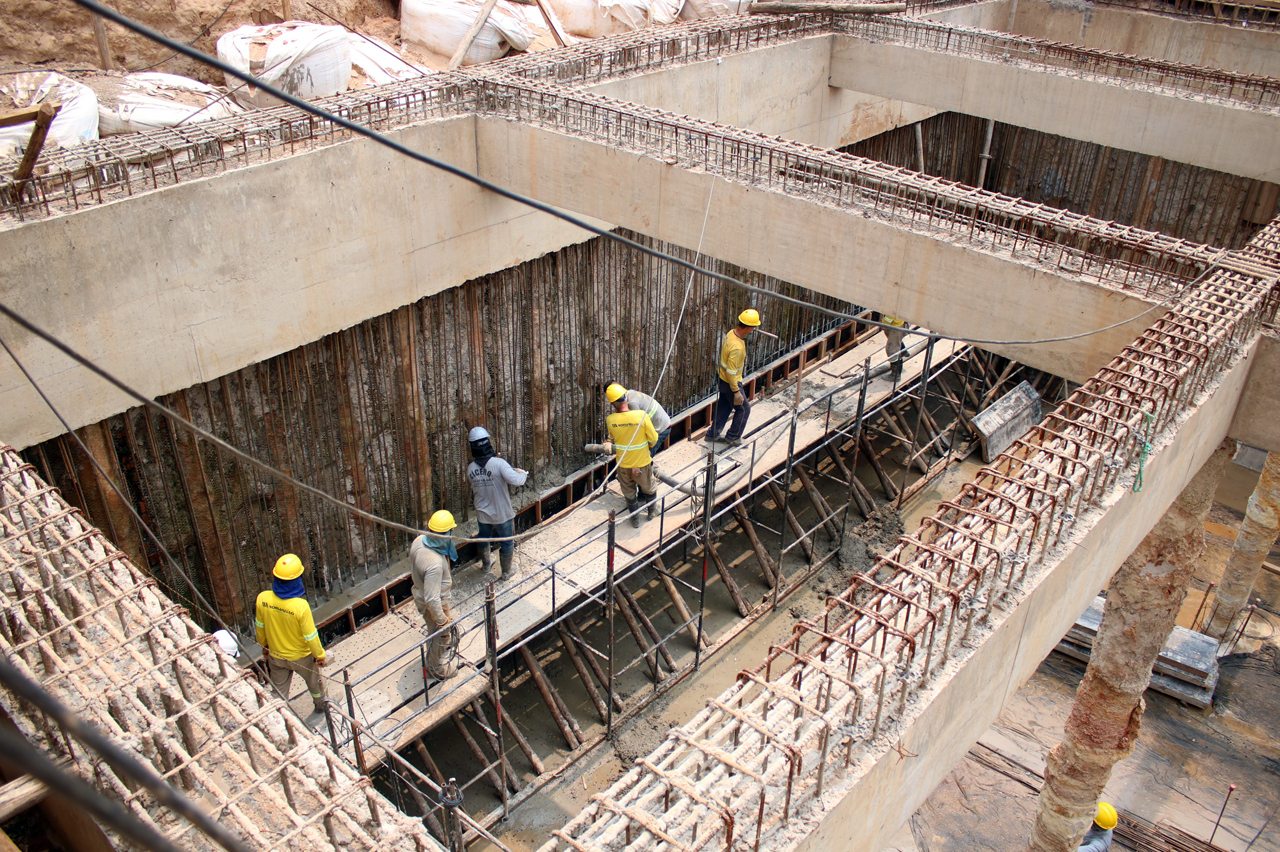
pixel 738 399
pixel 321 661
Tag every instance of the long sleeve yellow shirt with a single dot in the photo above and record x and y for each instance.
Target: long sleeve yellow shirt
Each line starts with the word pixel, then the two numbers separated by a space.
pixel 733 354
pixel 287 627
pixel 631 433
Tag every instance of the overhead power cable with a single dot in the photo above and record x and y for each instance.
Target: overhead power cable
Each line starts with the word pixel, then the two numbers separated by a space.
pixel 375 136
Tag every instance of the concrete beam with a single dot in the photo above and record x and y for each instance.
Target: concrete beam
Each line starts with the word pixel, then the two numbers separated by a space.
pixel 168 289
pixel 1212 135
pixel 955 713
pixel 938 284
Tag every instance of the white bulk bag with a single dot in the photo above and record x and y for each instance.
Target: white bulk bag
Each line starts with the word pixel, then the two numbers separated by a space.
pixel 379 63
pixel 306 60
pixel 75 124
pixel 598 18
pixel 152 99
pixel 439 25
pixel 665 11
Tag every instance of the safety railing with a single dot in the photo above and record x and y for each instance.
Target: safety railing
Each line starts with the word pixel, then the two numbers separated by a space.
pixel 1144 262
pixel 1190 81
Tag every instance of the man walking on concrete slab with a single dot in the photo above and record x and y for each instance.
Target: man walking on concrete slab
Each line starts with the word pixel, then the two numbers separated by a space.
pixel 430 556
pixel 491 481
pixel 287 632
pixel 893 347
pixel 631 434
pixel 733 357
pixel 650 406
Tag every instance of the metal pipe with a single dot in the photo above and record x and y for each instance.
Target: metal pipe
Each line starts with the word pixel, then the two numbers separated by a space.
pixel 613 540
pixel 786 492
pixel 985 156
pixel 491 655
pixel 708 502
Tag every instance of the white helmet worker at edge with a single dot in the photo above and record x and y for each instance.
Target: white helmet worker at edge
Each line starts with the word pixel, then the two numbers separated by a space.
pixel 491 480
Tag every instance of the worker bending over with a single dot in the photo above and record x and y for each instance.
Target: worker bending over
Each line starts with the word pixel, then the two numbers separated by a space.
pixel 733 356
pixel 643 402
pixel 430 556
pixel 491 480
pixel 893 344
pixel 287 632
pixel 1098 837
pixel 631 434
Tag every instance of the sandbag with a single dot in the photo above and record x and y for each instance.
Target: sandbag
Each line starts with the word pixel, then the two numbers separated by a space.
pixel 439 25
pixel 378 63
pixel 153 99
pixel 306 60
pixel 75 124
pixel 697 10
pixel 598 18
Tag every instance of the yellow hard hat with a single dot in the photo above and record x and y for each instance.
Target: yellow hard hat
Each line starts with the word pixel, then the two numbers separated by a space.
pixel 1107 816
pixel 288 567
pixel 749 317
pixel 614 392
pixel 441 522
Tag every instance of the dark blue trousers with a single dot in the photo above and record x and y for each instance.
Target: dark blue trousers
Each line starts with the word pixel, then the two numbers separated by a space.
pixel 723 406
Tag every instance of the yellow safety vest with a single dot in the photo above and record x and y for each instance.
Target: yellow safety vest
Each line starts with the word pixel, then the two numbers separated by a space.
pixel 631 433
pixel 287 627
pixel 733 354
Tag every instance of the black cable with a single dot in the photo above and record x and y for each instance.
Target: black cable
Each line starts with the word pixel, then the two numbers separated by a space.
pixel 17 750
pixel 199 36
pixel 368 133
pixel 116 757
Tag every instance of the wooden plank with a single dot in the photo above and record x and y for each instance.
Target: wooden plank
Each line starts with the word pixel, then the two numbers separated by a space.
pixel 1197 696
pixel 472 32
pixel 20 794
pixel 1186 654
pixel 553 23
pixel 14 117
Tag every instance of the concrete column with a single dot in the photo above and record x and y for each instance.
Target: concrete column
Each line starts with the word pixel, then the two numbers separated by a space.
pixel 1257 534
pixel 1142 603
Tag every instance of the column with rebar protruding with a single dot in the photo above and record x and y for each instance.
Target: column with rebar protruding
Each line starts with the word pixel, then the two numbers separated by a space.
pixel 1257 535
pixel 1142 603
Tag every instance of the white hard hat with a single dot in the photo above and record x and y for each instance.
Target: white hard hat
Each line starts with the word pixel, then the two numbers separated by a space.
pixel 227 642
pixel 479 433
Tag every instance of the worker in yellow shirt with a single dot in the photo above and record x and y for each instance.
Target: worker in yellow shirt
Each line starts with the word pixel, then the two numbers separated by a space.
pixel 733 357
pixel 631 433
pixel 287 632
pixel 893 344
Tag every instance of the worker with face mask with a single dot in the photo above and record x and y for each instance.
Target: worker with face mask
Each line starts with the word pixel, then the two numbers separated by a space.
pixel 1098 837
pixel 631 434
pixel 430 556
pixel 491 482
pixel 733 358
pixel 287 632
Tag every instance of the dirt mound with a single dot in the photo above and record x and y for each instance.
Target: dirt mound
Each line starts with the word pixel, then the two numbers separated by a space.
pixel 59 34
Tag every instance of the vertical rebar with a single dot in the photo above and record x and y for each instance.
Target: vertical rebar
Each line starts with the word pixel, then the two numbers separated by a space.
pixel 355 729
pixel 708 501
pixel 857 430
pixel 491 653
pixel 786 495
pixel 1222 811
pixel 608 597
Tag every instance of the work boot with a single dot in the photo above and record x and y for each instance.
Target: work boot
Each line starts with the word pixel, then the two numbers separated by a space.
pixel 733 442
pixel 486 558
pixel 633 507
pixel 506 559
pixel 652 509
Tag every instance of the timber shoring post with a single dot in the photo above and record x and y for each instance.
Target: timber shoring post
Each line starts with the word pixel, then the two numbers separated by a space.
pixel 433 825
pixel 924 398
pixel 583 674
pixel 479 753
pixel 786 510
pixel 428 761
pixel 739 599
pixel 820 504
pixel 857 492
pixel 852 469
pixel 39 132
pixel 523 743
pixel 678 601
pixel 767 565
pixel 592 663
pixel 544 688
pixel 778 497
pixel 648 626
pixel 890 490
pixel 708 500
pixel 355 729
pixel 642 642
pixel 608 606
pixel 493 733
pixel 491 655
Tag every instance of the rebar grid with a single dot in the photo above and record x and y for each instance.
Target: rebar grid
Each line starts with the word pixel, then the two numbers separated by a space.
pixel 835 694
pixel 1261 14
pixel 84 622
pixel 1249 91
pixel 1144 262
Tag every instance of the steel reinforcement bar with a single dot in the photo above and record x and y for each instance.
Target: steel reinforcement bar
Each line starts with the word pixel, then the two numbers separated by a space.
pixel 1250 91
pixel 1139 261
pixel 80 619
pixel 763 752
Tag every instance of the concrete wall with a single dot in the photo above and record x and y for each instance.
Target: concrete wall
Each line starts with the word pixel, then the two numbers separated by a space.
pixel 947 721
pixel 1214 136
pixel 929 281
pixel 747 90
pixel 989 15
pixel 1248 51
pixel 1257 420
pixel 177 287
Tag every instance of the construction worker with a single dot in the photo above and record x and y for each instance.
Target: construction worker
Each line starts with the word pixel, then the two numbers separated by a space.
pixel 1098 837
pixel 631 434
pixel 287 632
pixel 430 557
pixel 893 344
pixel 642 401
pixel 491 481
pixel 733 356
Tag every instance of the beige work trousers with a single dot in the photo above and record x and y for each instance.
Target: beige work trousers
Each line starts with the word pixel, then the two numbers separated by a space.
pixel 281 673
pixel 631 478
pixel 441 649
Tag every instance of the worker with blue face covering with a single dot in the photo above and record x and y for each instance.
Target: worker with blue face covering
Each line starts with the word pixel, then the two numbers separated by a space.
pixel 430 556
pixel 287 632
pixel 492 479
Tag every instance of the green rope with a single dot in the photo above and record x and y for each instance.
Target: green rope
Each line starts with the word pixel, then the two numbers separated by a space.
pixel 1146 451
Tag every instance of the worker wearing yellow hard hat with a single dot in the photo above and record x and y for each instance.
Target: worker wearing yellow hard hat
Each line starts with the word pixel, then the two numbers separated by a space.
pixel 430 557
pixel 287 632
pixel 733 399
pixel 1098 837
pixel 635 399
pixel 631 437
